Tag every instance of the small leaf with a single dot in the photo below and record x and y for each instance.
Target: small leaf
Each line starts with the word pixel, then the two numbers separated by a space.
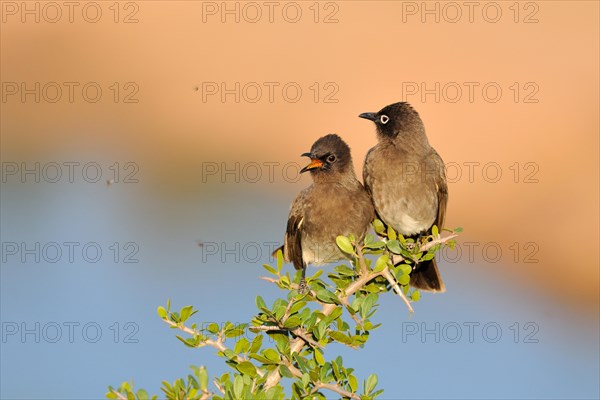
pixel 371 383
pixel 458 230
pixel 394 246
pixel 391 233
pixel 270 269
pixel 161 312
pixel 381 263
pixel 415 296
pixel 292 322
pixel 260 303
pixel 435 231
pixel 379 227
pixel 185 313
pixel 319 357
pixel 213 327
pixel 247 368
pixel 238 386
pixel 242 346
pixel 404 280
pixel 256 344
pixel 271 355
pixel 203 378
pixel 285 371
pixel 344 244
pixel 279 260
pixel 353 383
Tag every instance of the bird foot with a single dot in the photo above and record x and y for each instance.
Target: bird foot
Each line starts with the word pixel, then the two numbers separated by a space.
pixel 302 287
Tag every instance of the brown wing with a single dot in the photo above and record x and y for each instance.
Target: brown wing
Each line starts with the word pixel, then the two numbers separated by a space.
pixel 292 244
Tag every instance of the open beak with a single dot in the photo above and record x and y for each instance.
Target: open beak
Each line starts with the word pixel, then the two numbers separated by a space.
pixel 369 115
pixel 314 163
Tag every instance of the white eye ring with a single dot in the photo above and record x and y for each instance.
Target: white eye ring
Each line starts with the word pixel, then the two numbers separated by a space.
pixel 384 119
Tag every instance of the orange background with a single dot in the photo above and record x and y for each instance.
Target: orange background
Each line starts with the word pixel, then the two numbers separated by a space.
pixel 368 54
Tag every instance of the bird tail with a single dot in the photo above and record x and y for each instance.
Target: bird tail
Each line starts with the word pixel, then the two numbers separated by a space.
pixel 427 277
pixel 274 253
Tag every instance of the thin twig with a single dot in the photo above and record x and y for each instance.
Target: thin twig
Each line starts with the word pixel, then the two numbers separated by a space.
pixel 392 281
pixel 217 344
pixel 336 388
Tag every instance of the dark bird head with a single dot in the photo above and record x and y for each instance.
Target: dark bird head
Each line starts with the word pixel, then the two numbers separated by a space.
pixel 329 156
pixel 395 120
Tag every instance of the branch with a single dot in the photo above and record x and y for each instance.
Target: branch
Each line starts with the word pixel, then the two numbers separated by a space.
pixel 337 389
pixel 217 344
pixel 299 332
pixel 392 281
pixel 119 395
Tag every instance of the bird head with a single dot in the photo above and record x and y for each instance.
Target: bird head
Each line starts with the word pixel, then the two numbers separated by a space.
pixel 328 155
pixel 395 119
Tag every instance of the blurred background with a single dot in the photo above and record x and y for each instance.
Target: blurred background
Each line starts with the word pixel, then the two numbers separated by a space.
pixel 150 150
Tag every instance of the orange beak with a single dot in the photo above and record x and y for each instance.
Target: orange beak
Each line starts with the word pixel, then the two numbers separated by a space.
pixel 314 163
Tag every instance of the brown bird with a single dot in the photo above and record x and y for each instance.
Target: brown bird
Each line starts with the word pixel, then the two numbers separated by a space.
pixel 335 204
pixel 407 182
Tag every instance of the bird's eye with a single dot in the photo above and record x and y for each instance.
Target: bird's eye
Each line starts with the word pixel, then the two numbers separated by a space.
pixel 331 158
pixel 384 119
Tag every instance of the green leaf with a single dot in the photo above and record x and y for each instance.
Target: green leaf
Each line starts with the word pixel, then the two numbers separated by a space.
pixel 247 368
pixel 391 233
pixel 458 230
pixel 188 342
pixel 381 263
pixel 270 269
pixel 242 346
pixel 161 312
pixel 285 371
pixel 371 383
pixel 404 280
pixel 379 227
pixel 213 327
pixel 256 344
pixel 297 306
pixel 271 355
pixel 238 386
pixel 260 303
pixel 415 296
pixel 435 231
pixel 427 257
pixel 292 322
pixel 186 312
pixel 142 395
pixel 394 246
pixel 344 244
pixel 279 260
pixel 344 270
pixel 203 378
pixel 319 359
pixel 259 358
pixel 340 337
pixel 353 382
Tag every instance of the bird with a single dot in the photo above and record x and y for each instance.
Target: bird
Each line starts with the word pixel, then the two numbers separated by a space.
pixel 406 179
pixel 335 204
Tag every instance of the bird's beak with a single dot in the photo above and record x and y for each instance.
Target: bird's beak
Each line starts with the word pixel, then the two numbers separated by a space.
pixel 314 163
pixel 371 116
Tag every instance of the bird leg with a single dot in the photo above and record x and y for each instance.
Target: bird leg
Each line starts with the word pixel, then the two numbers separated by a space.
pixel 303 287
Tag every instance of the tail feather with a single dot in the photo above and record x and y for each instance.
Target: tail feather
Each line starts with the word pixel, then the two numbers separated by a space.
pixel 274 253
pixel 427 277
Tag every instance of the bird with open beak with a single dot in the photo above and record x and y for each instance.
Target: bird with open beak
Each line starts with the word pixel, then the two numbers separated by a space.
pixel 335 204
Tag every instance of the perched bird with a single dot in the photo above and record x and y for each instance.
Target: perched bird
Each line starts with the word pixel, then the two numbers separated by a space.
pixel 406 179
pixel 335 204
